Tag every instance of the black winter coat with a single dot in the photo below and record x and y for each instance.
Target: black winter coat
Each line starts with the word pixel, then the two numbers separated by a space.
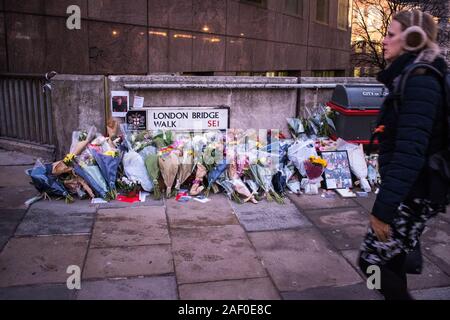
pixel 410 135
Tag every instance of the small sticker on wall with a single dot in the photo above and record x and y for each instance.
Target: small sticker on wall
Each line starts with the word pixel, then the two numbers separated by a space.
pixel 138 102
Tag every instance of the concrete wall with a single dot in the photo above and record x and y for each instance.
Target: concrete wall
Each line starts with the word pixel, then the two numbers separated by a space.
pixel 78 103
pixel 81 101
pixel 312 97
pixel 248 108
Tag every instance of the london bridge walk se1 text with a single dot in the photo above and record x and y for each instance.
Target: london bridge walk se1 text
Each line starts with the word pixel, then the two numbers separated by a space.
pixel 185 115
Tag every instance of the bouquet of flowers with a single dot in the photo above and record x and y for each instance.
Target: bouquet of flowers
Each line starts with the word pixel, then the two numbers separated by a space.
pixel 108 164
pixel 152 165
pixel 319 122
pixel 134 168
pixel 85 166
pixel 186 159
pixel 47 183
pixel 129 187
pixel 214 174
pixel 262 175
pixel 139 140
pixel 197 186
pixel 81 139
pixel 314 168
pixel 238 185
pixel 295 127
pixel 168 164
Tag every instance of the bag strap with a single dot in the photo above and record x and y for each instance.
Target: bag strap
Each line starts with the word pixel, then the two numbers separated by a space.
pixel 400 88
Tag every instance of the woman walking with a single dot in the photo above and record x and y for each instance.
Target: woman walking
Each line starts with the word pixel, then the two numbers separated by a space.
pixel 410 129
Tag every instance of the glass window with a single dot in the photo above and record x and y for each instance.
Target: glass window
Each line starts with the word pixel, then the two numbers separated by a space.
pixel 261 3
pixel 328 73
pixel 343 14
pixel 322 9
pixel 294 7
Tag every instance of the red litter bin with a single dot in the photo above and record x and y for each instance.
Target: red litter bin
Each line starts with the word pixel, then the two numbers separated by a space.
pixel 357 109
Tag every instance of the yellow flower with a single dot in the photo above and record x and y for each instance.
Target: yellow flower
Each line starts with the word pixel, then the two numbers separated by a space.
pixel 69 158
pixel 110 153
pixel 318 161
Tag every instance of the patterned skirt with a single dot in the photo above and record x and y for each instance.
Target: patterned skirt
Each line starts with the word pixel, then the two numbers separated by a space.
pixel 406 230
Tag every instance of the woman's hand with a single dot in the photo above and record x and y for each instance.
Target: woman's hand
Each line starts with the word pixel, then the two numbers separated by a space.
pixel 381 229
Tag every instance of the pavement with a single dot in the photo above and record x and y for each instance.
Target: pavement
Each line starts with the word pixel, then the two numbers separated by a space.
pixel 305 249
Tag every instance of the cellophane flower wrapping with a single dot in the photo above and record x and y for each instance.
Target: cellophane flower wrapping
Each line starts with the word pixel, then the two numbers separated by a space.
pixel 45 182
pixel 186 159
pixel 134 167
pixel 314 174
pixel 81 139
pixel 357 159
pixel 168 164
pixel 238 185
pixel 197 185
pixel 300 151
pixel 108 163
pixel 152 166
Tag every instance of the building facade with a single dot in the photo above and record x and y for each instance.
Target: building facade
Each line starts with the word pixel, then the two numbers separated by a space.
pixel 199 37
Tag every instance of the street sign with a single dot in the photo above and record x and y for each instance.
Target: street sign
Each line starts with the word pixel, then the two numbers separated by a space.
pixel 185 118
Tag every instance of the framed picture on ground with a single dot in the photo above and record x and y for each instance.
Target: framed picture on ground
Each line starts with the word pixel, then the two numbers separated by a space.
pixel 337 173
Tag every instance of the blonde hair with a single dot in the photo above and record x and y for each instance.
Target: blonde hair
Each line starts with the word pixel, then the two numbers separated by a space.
pixel 420 33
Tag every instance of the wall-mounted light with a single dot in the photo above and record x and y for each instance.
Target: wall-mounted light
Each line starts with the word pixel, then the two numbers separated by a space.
pixel 158 33
pixel 115 33
pixel 181 35
pixel 205 28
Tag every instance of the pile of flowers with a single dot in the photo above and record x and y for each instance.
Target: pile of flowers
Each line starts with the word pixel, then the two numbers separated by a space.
pixel 248 165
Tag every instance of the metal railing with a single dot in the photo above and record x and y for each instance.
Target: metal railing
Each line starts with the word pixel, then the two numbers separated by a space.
pixel 26 109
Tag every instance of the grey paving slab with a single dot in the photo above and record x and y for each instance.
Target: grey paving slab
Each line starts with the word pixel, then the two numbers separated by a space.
pixel 15 197
pixel 57 217
pixel 352 292
pixel 13 158
pixel 432 294
pixel 347 237
pixel 437 231
pixel 313 202
pixel 345 227
pixel 130 227
pixel 115 204
pixel 445 216
pixel 151 288
pixel 366 202
pixel 246 289
pixel 39 260
pixel 9 219
pixel 194 214
pixel 213 254
pixel 14 176
pixel 128 262
pixel 38 292
pixel 3 241
pixel 301 259
pixel 335 218
pixel 269 216
pixel 439 254
pixel 431 276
